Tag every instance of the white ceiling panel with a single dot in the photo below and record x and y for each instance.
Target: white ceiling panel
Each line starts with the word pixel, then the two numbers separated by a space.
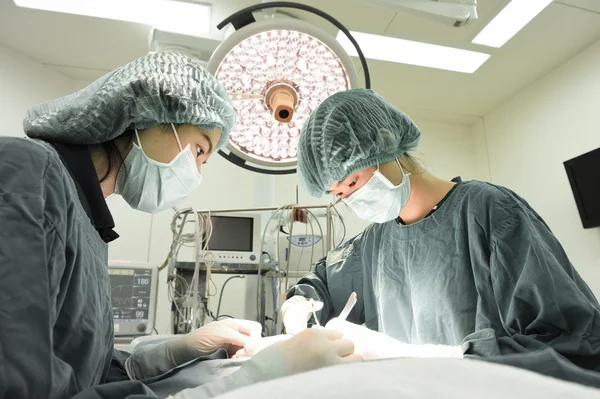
pixel 85 48
pixel 589 5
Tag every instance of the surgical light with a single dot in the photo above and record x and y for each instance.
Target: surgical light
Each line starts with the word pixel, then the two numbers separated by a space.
pixel 277 71
pixel 168 15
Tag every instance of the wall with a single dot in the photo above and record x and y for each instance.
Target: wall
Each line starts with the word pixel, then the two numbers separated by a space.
pixel 480 152
pixel 24 83
pixel 447 150
pixel 529 138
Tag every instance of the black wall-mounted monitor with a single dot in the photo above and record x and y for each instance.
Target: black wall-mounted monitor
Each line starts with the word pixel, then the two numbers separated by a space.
pixel 584 176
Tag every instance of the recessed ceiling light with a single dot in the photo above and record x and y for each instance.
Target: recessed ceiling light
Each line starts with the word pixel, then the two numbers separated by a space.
pixel 414 53
pixel 511 20
pixel 172 16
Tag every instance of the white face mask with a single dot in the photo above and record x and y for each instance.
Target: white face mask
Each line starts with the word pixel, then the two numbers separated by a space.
pixel 379 201
pixel 151 186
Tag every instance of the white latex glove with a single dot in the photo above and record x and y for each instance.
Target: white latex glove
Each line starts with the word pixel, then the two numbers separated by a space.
pixel 255 345
pixel 296 312
pixel 230 334
pixel 309 350
pixel 373 345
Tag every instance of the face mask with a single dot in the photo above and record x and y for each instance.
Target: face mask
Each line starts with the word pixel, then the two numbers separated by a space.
pixel 379 201
pixel 151 186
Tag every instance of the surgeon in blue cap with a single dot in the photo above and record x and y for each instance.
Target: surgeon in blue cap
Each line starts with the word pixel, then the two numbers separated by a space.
pixel 143 132
pixel 444 262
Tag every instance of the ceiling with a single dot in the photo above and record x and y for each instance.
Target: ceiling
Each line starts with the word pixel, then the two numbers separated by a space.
pixel 85 48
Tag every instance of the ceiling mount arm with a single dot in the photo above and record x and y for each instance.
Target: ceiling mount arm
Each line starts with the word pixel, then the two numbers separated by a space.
pixel 456 14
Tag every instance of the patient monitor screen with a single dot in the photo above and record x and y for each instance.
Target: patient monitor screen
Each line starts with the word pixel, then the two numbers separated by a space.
pixel 231 234
pixel 130 297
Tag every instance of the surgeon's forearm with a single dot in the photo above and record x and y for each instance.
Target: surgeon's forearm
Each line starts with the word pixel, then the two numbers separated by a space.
pixel 180 351
pixel 157 359
pixel 257 369
pixel 314 286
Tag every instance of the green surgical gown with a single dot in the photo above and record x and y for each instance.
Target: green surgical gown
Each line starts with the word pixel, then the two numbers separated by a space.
pixel 483 270
pixel 56 325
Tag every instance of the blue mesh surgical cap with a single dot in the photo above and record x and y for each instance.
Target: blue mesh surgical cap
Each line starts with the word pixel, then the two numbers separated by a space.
pixel 350 131
pixel 156 89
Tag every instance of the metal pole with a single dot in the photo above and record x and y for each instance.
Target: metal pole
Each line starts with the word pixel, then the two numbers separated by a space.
pixel 329 221
pixel 261 285
pixel 263 305
pixel 269 208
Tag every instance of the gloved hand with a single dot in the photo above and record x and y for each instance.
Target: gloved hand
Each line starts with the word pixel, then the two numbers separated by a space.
pixel 372 345
pixel 230 334
pixel 309 350
pixel 255 345
pixel 296 312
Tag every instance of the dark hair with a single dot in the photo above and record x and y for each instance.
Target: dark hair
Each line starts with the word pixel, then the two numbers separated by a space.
pixel 113 155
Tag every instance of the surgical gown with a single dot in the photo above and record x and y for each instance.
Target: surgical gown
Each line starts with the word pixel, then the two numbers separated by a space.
pixel 483 270
pixel 56 326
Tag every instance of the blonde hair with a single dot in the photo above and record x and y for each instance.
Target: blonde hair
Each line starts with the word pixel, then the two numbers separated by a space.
pixel 412 164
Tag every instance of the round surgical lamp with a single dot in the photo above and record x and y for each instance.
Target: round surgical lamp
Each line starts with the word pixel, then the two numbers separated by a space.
pixel 277 72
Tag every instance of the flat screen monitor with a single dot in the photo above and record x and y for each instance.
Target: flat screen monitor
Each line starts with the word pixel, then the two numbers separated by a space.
pixel 235 238
pixel 134 290
pixel 584 177
pixel 231 233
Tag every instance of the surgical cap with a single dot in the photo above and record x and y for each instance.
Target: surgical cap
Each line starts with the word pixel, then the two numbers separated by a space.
pixel 350 131
pixel 156 89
